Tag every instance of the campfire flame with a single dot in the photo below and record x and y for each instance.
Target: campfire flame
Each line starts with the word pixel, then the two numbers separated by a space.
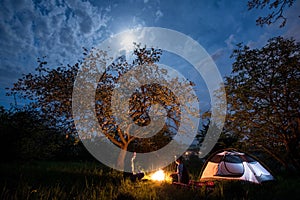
pixel 158 175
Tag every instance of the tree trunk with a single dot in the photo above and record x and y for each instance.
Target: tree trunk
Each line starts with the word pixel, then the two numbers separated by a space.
pixel 121 157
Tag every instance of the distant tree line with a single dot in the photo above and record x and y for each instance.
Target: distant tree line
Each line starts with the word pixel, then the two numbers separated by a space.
pixel 26 137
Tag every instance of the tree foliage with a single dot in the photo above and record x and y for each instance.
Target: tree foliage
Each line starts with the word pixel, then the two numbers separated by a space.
pixel 276 8
pixel 123 76
pixel 263 94
pixel 50 90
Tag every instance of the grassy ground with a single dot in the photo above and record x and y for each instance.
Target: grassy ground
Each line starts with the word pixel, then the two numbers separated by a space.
pixel 71 180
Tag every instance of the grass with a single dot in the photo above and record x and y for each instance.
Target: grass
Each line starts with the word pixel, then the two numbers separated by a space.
pixel 88 180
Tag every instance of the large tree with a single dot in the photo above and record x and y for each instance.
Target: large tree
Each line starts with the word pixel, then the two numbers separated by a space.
pixel 263 95
pixel 123 83
pixel 50 93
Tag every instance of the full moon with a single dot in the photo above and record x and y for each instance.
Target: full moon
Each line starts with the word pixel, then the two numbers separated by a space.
pixel 127 41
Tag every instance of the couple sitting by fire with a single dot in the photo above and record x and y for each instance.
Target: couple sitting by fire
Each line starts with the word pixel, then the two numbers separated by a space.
pixel 181 175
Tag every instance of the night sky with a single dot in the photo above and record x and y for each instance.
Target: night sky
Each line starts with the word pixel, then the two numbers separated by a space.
pixel 59 29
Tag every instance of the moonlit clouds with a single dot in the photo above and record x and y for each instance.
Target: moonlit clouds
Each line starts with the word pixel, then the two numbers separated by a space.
pixel 59 29
pixel 54 29
pixel 158 15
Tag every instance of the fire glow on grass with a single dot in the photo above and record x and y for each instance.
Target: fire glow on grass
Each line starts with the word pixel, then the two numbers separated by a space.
pixel 158 175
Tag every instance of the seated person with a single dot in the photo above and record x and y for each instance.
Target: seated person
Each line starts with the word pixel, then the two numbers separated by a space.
pixel 181 175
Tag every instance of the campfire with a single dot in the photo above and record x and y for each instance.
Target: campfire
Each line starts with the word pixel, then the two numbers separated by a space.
pixel 158 175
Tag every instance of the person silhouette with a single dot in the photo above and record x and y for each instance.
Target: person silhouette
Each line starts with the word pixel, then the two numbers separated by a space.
pixel 181 175
pixel 136 174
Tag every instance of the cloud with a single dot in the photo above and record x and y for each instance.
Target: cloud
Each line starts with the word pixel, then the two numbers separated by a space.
pixel 231 42
pixel 218 54
pixel 51 28
pixel 293 22
pixel 159 14
pixel 57 29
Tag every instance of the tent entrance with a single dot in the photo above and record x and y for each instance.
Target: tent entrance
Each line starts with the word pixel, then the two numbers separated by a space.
pixel 230 166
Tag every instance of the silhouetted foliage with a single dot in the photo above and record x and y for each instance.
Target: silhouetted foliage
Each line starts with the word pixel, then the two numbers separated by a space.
pixel 25 137
pixel 276 8
pixel 263 99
